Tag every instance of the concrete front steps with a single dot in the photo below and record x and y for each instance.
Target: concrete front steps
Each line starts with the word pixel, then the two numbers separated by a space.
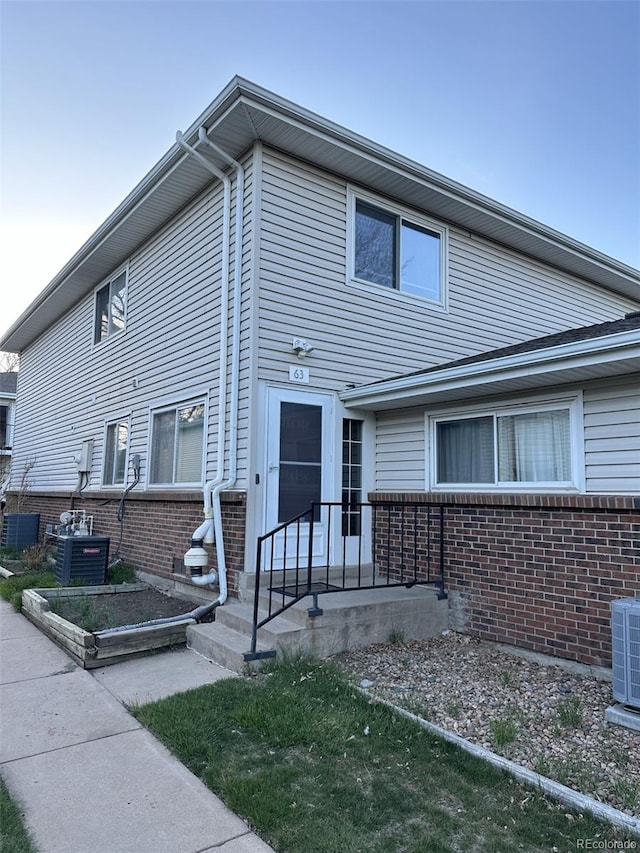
pixel 350 620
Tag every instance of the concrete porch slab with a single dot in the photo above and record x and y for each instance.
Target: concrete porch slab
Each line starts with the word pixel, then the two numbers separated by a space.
pixel 621 716
pixel 154 677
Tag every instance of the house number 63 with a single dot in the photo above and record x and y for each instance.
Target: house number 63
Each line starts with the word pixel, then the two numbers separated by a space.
pixel 298 374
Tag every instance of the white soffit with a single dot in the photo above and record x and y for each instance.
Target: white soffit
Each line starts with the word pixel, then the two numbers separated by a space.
pixel 574 364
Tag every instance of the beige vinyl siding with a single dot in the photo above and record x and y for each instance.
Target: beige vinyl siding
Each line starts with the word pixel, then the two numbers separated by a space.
pixel 400 451
pixel 612 437
pixel 360 334
pixel 168 353
pixel 611 419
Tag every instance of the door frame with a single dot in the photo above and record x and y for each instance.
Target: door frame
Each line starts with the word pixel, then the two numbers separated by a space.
pixel 275 395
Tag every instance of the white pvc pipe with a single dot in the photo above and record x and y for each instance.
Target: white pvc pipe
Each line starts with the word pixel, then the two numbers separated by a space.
pixel 205 531
pixel 211 528
pixel 235 356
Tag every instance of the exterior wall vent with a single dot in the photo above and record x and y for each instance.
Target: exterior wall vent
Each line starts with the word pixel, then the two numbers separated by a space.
pixel 625 635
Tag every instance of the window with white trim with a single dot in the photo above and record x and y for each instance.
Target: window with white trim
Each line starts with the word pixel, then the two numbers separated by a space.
pixel 110 307
pixel 177 444
pixel 530 447
pixel 116 446
pixel 398 250
pixel 352 462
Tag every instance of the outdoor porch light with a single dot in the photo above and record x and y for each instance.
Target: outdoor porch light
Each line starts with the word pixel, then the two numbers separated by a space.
pixel 301 347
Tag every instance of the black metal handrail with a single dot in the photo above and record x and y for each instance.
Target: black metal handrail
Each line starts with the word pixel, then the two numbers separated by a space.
pixel 407 549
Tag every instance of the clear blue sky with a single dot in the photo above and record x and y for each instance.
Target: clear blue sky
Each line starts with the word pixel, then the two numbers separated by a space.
pixel 535 104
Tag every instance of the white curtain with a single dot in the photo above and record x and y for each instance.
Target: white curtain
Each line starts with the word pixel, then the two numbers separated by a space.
pixel 465 451
pixel 535 447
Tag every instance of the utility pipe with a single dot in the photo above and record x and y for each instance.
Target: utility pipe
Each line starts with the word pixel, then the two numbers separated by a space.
pixel 211 528
pixel 235 359
pixel 197 614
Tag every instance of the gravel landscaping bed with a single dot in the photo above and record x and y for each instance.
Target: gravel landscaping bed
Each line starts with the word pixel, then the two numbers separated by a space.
pixel 537 714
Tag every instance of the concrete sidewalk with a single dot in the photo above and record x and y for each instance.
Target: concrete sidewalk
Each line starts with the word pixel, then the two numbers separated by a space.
pixel 88 777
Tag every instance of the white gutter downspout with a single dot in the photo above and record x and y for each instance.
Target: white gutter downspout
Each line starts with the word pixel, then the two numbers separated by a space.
pixel 211 528
pixel 219 487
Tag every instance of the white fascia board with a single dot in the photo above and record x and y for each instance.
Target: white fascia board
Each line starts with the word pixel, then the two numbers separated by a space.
pixel 624 345
pixel 378 155
pixel 244 95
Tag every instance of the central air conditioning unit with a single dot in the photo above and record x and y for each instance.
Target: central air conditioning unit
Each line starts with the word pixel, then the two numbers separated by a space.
pixel 625 635
pixel 82 559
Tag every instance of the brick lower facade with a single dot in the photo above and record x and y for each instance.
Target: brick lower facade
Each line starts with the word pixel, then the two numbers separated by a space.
pixel 536 571
pixel 155 530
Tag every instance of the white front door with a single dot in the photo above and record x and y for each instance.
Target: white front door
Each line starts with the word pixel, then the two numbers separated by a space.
pixel 299 472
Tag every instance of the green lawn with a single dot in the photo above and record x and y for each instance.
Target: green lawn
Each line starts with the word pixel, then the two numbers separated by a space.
pixel 13 836
pixel 312 765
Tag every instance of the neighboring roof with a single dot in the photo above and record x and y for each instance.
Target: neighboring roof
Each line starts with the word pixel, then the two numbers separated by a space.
pixel 244 113
pixel 604 350
pixel 8 383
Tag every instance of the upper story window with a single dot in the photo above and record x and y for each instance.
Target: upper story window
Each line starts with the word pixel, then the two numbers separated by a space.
pixel 110 307
pixel 177 444
pixel 532 448
pixel 115 453
pixel 397 250
pixel 5 428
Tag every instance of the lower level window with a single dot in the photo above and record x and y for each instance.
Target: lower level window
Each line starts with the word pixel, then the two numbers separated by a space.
pixel 502 448
pixel 115 453
pixel 177 445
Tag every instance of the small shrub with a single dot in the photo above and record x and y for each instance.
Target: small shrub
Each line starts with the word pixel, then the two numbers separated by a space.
pixel 628 793
pixel 11 589
pixel 570 712
pixel 396 637
pixel 86 612
pixel 504 730
pixel 506 678
pixel 34 558
pixel 8 552
pixel 121 573
pixel 453 710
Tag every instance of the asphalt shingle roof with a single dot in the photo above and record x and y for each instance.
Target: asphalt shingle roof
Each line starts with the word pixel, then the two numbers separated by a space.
pixel 8 382
pixel 601 330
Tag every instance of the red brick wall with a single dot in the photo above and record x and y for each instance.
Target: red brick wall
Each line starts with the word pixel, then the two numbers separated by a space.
pixel 156 528
pixel 538 572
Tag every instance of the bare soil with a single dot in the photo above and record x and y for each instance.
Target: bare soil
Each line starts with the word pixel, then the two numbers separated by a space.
pixel 115 610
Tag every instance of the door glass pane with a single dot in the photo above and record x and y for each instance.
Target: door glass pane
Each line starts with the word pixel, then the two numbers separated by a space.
pixel 300 433
pixel 300 485
pixel 300 480
pixel 375 257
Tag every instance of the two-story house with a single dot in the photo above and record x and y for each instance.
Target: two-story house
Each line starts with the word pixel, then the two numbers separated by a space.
pixel 8 385
pixel 283 312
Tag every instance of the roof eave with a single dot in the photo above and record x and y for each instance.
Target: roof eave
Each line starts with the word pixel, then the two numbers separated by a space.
pixel 616 355
pixel 259 114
